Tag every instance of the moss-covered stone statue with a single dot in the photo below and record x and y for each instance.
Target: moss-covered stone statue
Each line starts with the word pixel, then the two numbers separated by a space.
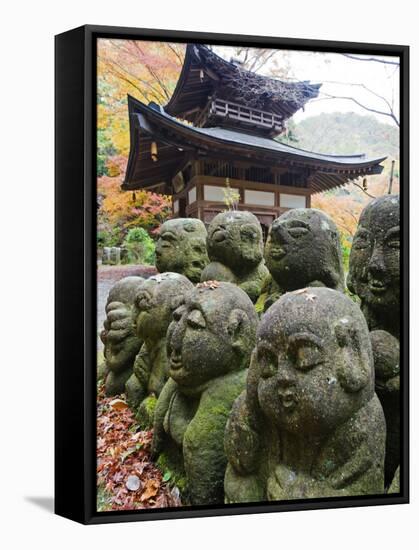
pixel 302 250
pixel 121 344
pixel 374 264
pixel 386 351
pixel 155 301
pixel 374 275
pixel 235 248
pixel 309 424
pixel 209 346
pixel 395 484
pixel 181 248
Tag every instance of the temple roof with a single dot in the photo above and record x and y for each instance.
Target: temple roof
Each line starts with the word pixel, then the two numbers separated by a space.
pixel 176 141
pixel 205 74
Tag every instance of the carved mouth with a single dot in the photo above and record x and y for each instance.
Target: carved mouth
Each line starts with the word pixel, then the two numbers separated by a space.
pixel 277 253
pixel 175 362
pixel 219 236
pixel 288 399
pixel 376 286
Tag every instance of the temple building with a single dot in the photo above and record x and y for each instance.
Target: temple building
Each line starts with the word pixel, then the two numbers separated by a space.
pixel 218 131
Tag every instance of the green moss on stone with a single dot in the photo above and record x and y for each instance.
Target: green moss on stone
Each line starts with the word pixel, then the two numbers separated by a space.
pixel 145 412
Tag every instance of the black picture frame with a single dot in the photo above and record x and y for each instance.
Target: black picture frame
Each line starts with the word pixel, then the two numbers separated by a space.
pixel 75 272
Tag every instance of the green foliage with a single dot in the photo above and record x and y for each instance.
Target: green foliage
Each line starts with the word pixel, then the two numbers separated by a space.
pixel 171 467
pixel 112 237
pixel 105 149
pixel 346 251
pixel 139 246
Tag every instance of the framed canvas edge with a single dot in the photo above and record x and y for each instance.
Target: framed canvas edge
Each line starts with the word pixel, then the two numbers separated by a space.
pixel 85 447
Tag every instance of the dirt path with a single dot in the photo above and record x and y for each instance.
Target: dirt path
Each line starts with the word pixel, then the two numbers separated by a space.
pixel 107 276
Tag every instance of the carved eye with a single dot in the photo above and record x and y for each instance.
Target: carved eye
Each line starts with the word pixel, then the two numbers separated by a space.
pixel 196 319
pixel 268 363
pixel 307 356
pixel 177 314
pixel 297 232
pixel 361 240
pixel 393 238
pixel 167 239
pixel 249 232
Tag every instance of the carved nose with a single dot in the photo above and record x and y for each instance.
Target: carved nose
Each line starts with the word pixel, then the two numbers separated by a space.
pixel 286 375
pixel 376 263
pixel 280 233
pixel 177 335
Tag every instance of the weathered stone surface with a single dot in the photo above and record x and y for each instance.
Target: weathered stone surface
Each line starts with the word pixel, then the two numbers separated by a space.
pixel 395 484
pixel 374 275
pixel 235 248
pixel 155 301
pixel 302 250
pixel 309 424
pixel 386 351
pixel 209 346
pixel 181 248
pixel 374 264
pixel 118 335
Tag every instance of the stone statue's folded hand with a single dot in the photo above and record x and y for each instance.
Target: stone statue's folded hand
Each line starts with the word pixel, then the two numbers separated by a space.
pixel 119 322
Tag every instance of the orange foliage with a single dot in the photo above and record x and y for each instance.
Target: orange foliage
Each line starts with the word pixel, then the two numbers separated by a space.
pixel 124 209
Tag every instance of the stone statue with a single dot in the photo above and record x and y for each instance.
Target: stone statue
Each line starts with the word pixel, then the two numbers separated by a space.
pixel 235 248
pixel 386 352
pixel 118 335
pixel 374 275
pixel 309 424
pixel 374 264
pixel 209 346
pixel 303 250
pixel 155 301
pixel 395 484
pixel 181 248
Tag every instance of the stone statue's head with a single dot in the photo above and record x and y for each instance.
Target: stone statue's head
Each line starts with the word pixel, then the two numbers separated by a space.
pixel 374 263
pixel 212 333
pixel 155 301
pixel 181 248
pixel 235 239
pixel 302 248
pixel 118 335
pixel 312 367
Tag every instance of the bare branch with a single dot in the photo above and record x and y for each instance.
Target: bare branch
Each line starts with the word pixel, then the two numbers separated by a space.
pixel 376 59
pixel 370 109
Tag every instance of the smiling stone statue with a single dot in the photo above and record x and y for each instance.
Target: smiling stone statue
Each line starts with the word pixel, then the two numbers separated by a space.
pixel 303 249
pixel 181 248
pixel 235 248
pixel 208 344
pixel 374 264
pixel 118 335
pixel 309 424
pixel 374 275
pixel 155 301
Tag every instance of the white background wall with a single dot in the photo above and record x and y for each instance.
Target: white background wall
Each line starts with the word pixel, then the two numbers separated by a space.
pixel 26 115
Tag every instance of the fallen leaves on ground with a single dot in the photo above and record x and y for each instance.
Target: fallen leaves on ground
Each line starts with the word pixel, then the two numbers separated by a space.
pixel 127 478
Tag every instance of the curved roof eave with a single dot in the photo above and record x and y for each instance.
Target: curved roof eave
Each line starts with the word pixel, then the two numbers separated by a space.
pixel 234 138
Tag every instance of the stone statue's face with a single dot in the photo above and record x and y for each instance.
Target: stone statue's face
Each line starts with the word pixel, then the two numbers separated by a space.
pixel 303 247
pixel 309 362
pixel 155 302
pixel 235 239
pixel 205 329
pixel 181 248
pixel 374 264
pixel 121 343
